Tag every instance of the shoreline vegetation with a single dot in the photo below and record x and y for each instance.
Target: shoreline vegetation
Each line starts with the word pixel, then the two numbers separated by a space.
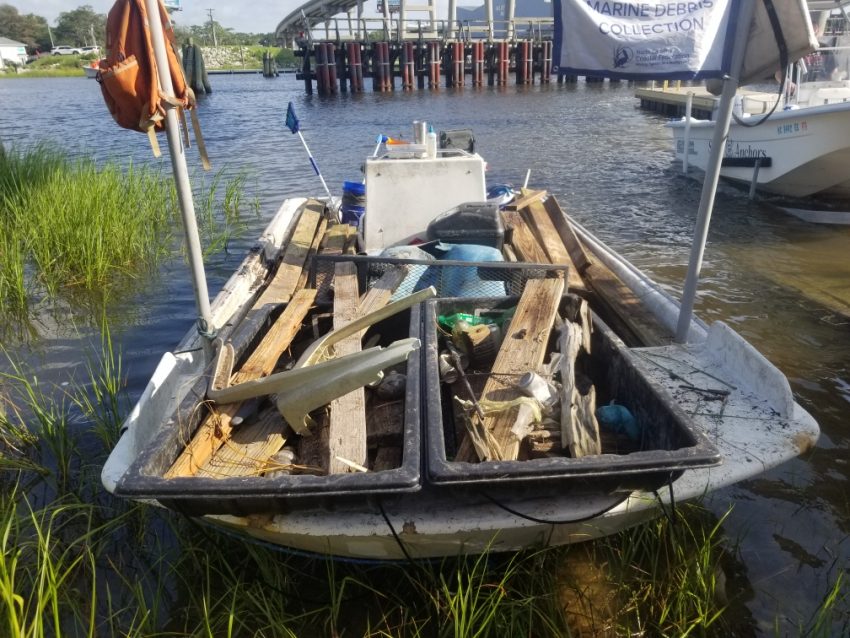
pixel 221 58
pixel 77 562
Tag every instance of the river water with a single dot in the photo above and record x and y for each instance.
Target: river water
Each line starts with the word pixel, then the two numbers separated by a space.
pixel 781 282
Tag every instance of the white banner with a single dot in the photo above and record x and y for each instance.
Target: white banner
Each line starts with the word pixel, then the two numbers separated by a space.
pixel 663 40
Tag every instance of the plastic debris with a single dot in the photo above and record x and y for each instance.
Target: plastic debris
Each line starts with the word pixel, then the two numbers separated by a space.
pixel 619 419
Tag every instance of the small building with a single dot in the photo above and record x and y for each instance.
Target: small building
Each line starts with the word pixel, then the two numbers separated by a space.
pixel 12 51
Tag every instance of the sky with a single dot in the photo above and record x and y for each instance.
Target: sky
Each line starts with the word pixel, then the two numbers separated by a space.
pixel 247 16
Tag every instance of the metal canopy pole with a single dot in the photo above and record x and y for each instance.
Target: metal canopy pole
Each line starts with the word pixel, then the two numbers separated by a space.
pixel 712 170
pixel 181 181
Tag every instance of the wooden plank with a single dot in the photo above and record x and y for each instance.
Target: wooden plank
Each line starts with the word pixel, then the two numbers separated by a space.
pixel 567 234
pixel 347 430
pixel 538 219
pixel 579 429
pixel 381 292
pixel 333 243
pixel 314 248
pixel 527 196
pixel 523 349
pixel 286 279
pixel 620 306
pixel 217 427
pixel 522 240
pixel 249 448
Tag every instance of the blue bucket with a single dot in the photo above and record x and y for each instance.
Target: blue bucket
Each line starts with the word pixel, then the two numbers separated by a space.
pixel 353 202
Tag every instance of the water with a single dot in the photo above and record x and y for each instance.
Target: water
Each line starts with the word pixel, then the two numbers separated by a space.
pixel 779 281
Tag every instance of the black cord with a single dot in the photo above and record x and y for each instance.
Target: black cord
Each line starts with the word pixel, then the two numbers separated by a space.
pixel 398 540
pixel 534 519
pixel 783 62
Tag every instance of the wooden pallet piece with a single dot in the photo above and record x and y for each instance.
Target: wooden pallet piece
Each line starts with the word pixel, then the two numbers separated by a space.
pixel 314 248
pixel 568 236
pixel 626 313
pixel 333 244
pixel 288 274
pixel 522 240
pixel 347 431
pixel 579 429
pixel 217 427
pixel 524 349
pixel 249 448
pixel 538 219
pixel 526 197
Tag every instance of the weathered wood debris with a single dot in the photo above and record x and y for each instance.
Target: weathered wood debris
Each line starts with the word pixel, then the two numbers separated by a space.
pixel 362 430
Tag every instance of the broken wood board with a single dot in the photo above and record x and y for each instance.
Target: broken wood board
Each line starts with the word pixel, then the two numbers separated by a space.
pixel 314 248
pixel 217 426
pixel 381 292
pixel 285 281
pixel 626 313
pixel 538 219
pixel 526 197
pixel 522 240
pixel 347 430
pixel 524 349
pixel 567 234
pixel 333 244
pixel 249 448
pixel 579 429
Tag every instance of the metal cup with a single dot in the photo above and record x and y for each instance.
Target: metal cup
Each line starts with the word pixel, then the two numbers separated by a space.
pixel 420 130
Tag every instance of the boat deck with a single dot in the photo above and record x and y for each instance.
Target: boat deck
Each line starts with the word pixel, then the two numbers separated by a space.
pixel 672 101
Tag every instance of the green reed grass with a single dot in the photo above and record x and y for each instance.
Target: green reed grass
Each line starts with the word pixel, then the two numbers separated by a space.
pixel 221 215
pixel 74 226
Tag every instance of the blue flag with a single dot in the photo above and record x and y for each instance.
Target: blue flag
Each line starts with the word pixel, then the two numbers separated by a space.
pixel 291 120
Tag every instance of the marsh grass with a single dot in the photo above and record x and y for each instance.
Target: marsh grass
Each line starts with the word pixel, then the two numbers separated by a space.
pixel 77 233
pixel 76 562
pixel 74 227
pixel 221 208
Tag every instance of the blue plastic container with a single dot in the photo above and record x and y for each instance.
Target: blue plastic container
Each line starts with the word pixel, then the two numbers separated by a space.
pixel 353 202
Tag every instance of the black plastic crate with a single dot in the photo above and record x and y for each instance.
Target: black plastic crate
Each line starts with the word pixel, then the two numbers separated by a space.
pixel 670 442
pixel 260 494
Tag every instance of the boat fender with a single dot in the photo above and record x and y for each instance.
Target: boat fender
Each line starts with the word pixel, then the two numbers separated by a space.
pixel 617 418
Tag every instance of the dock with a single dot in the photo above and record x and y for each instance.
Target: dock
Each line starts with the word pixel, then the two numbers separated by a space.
pixel 671 99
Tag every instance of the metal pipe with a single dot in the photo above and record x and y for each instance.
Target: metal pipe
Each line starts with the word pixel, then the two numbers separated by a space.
pixel 181 181
pixel 689 105
pixel 712 171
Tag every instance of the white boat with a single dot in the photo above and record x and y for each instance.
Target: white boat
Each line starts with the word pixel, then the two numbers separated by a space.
pixel 706 409
pixel 91 70
pixel 797 152
pixel 739 402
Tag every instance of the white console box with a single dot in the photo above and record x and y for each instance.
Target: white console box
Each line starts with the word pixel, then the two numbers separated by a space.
pixel 403 195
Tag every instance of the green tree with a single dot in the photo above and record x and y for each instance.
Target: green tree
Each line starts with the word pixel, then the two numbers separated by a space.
pixel 29 29
pixel 76 27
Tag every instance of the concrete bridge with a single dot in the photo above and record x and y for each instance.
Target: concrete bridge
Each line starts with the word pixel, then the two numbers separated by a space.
pixel 404 20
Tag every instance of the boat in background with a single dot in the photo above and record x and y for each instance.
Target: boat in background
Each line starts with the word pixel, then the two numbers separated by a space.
pixel 800 151
pixel 91 70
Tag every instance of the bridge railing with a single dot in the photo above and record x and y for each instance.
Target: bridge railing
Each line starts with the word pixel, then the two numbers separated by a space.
pixel 347 29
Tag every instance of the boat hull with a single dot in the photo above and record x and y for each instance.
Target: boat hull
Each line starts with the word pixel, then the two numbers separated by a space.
pixel 808 150
pixel 440 521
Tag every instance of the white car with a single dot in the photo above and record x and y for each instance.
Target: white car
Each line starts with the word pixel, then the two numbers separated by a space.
pixel 64 49
pixel 91 50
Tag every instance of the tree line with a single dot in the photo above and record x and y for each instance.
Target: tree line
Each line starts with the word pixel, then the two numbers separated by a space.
pixel 84 26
